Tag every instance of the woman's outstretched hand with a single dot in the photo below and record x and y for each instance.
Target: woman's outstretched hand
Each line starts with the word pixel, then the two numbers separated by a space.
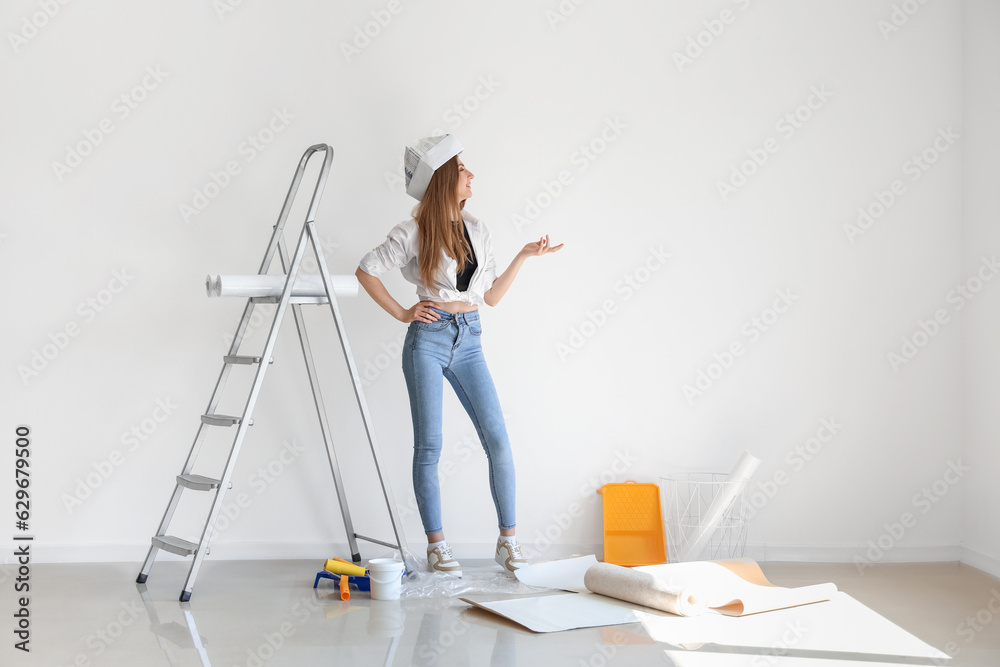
pixel 502 283
pixel 540 247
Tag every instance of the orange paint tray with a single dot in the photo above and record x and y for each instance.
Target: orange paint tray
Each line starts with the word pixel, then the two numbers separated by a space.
pixel 633 524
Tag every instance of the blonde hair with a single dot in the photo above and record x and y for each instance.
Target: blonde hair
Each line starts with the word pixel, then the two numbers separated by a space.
pixel 436 215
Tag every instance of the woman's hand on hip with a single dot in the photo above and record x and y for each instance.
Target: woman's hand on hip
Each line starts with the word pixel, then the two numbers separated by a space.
pixel 421 312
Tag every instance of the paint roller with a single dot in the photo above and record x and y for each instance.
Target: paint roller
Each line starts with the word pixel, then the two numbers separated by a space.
pixel 341 566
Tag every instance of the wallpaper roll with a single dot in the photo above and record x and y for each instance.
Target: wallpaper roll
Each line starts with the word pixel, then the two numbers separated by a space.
pixel 738 478
pixel 643 588
pixel 265 286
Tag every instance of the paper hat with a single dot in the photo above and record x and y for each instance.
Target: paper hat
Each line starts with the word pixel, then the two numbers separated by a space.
pixel 422 159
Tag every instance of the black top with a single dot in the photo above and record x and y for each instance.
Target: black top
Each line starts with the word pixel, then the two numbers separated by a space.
pixel 465 276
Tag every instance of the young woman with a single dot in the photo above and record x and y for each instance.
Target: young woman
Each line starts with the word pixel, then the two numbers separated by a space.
pixel 448 254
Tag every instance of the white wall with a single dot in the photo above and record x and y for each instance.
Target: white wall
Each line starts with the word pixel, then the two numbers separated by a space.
pixel 583 402
pixel 981 236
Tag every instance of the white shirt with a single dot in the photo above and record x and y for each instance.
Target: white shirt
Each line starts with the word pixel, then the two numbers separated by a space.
pixel 400 251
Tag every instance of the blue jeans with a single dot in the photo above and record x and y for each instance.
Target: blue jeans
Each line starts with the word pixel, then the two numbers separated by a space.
pixel 452 348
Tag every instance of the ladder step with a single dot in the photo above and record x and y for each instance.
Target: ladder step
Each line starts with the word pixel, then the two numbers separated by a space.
pixel 222 420
pixel 175 545
pixel 243 359
pixel 198 482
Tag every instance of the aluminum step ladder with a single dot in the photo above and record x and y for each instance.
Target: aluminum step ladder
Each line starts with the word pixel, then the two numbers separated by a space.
pixel 193 482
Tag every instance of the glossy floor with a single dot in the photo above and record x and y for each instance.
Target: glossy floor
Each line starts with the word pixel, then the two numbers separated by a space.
pixel 255 613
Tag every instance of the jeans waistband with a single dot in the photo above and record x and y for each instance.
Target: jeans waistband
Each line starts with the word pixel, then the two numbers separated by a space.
pixel 458 317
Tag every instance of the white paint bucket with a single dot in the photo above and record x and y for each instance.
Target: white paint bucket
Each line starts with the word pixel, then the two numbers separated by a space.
pixel 386 576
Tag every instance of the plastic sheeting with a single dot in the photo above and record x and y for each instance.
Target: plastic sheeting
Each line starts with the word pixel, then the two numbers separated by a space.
pixel 478 576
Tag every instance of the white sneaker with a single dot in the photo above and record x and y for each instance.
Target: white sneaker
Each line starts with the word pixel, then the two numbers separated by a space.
pixel 441 560
pixel 509 555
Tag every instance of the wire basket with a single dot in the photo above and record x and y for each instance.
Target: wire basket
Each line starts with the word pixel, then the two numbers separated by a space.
pixel 707 509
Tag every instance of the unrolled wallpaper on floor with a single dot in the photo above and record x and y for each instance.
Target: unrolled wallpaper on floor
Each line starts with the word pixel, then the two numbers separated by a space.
pixel 691 604
pixel 734 588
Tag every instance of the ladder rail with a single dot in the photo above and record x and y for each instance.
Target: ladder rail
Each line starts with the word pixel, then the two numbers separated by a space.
pixel 244 424
pixel 324 424
pixel 220 385
pixel 293 189
pixel 359 393
pixel 196 445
